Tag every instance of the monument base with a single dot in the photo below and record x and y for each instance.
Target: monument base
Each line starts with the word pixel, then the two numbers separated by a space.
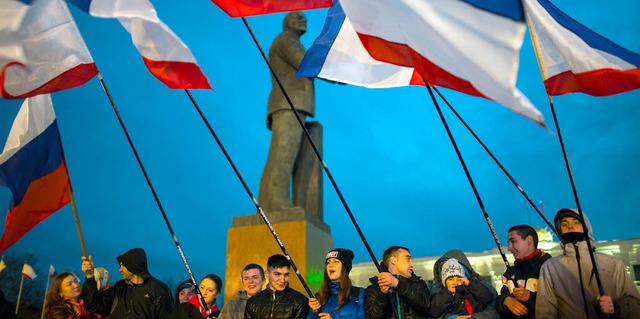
pixel 249 240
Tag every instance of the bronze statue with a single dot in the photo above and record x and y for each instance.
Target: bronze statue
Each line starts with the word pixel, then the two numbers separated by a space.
pixel 285 56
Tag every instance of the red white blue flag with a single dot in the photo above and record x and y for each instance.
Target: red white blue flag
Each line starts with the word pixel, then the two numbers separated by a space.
pixel 470 46
pixel 45 54
pixel 338 55
pixel 32 166
pixel 164 54
pixel 573 58
pixel 52 271
pixel 244 8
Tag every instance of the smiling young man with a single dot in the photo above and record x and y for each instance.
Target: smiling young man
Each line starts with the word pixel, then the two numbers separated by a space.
pixel 252 281
pixel 520 282
pixel 278 301
pixel 398 284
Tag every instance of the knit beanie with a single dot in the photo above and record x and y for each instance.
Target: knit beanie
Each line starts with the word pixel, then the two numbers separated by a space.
pixel 452 268
pixel 345 256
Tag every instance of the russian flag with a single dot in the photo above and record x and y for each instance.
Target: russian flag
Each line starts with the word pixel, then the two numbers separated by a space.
pixel 338 55
pixel 46 54
pixel 573 58
pixel 244 8
pixel 163 53
pixel 32 166
pixel 470 46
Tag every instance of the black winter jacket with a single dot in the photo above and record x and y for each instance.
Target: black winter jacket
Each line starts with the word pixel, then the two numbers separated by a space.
pixel 476 293
pixel 269 304
pixel 522 270
pixel 413 294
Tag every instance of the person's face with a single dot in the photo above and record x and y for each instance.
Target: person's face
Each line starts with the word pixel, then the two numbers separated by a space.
pixel 334 268
pixel 278 278
pixel 570 225
pixel 298 23
pixel 185 294
pixel 518 246
pixel 252 281
pixel 70 288
pixel 209 291
pixel 403 263
pixel 451 283
pixel 126 274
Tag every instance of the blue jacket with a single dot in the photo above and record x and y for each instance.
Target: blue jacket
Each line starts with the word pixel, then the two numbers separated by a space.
pixel 353 309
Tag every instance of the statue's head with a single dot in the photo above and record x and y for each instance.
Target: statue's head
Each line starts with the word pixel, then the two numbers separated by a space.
pixel 295 22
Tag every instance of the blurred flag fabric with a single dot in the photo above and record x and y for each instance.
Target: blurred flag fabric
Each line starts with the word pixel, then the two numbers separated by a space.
pixel 46 54
pixel 470 46
pixel 244 8
pixel 2 265
pixel 32 166
pixel 163 53
pixel 338 55
pixel 52 271
pixel 28 271
pixel 573 58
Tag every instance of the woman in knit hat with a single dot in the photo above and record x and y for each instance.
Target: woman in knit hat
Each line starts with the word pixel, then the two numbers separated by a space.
pixel 337 297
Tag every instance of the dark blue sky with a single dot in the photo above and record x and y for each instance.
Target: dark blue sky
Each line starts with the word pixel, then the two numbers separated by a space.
pixel 387 150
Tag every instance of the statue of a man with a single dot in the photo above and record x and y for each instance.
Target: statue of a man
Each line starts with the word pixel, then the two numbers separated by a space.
pixel 285 56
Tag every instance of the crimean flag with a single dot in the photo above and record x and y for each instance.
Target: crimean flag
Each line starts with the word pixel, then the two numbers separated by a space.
pixel 244 8
pixel 338 55
pixel 163 53
pixel 469 46
pixel 28 271
pixel 32 166
pixel 573 58
pixel 46 54
pixel 52 271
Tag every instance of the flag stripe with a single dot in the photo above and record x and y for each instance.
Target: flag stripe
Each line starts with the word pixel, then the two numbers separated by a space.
pixel 587 35
pixel 245 8
pixel 76 76
pixel 31 162
pixel 508 9
pixel 178 75
pixel 600 82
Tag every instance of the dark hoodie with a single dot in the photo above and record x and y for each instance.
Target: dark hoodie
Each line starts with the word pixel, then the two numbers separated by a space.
pixel 148 300
pixel 560 290
pixel 481 295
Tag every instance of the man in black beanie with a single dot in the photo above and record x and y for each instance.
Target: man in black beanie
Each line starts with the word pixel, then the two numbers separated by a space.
pixel 139 295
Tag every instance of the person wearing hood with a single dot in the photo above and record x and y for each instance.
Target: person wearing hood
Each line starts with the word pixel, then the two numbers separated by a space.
pixel 252 276
pixel 459 291
pixel 567 286
pixel 520 282
pixel 463 297
pixel 337 297
pixel 138 295
pixel 397 292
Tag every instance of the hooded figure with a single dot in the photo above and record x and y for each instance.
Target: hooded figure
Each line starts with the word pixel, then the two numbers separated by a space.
pixel 567 284
pixel 474 298
pixel 139 295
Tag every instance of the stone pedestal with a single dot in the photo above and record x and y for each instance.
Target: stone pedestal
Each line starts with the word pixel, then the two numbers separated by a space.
pixel 249 240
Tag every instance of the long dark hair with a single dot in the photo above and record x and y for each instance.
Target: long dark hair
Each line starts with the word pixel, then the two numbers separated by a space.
pixel 324 293
pixel 56 306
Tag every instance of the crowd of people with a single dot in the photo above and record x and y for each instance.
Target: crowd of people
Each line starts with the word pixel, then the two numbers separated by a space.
pixel 536 286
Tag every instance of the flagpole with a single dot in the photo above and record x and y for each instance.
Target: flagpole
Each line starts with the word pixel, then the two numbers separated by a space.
pixel 153 192
pixel 44 302
pixel 469 178
pixel 253 199
pixel 77 219
pixel 536 49
pixel 19 294
pixel 504 170
pixel 315 149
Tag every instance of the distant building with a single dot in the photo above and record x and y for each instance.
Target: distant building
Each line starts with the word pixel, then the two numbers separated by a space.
pixel 490 265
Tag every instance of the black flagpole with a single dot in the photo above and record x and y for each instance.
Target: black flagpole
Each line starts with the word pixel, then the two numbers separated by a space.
pixel 253 199
pixel 504 170
pixel 155 195
pixel 315 149
pixel 466 171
